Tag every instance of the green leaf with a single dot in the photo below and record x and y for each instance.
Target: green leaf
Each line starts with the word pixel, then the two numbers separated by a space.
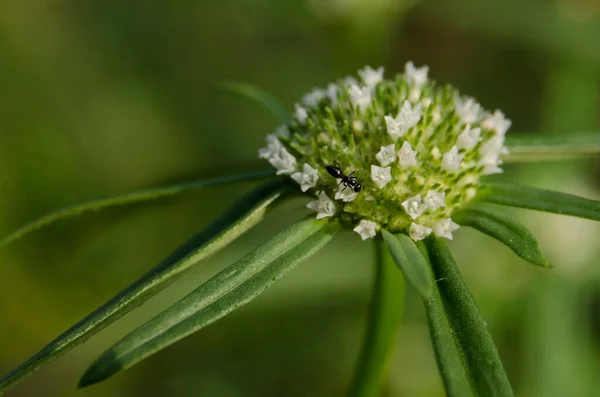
pixel 503 228
pixel 538 147
pixel 259 95
pixel 445 346
pixel 479 354
pixel 382 329
pixel 540 200
pixel 242 216
pixel 233 287
pixel 126 199
pixel 410 260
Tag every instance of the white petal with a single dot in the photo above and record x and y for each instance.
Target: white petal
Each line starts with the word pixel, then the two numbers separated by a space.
pixel 332 93
pixel 324 206
pixel 312 98
pixel 371 77
pixel 418 232
pixel 272 149
pixel 414 206
pixel 306 179
pixel 467 110
pixel 366 229
pixel 345 194
pixel 284 162
pixel 386 155
pixel 444 228
pixel 451 160
pixel 496 122
pixel 407 157
pixel 409 116
pixel 468 138
pixel 300 114
pixel 435 200
pixel 416 76
pixel 381 176
pixel 393 128
pixel 360 97
pixel 282 132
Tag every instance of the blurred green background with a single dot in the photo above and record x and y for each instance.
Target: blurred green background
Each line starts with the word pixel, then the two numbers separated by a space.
pixel 99 97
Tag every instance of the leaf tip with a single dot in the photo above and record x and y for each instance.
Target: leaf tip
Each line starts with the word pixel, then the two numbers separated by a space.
pixel 103 368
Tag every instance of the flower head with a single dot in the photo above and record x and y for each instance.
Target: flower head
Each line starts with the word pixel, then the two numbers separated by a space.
pixel 407 154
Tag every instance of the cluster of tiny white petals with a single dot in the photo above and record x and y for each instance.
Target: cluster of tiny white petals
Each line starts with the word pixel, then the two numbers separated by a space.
pixel 452 160
pixel 312 98
pixel 419 232
pixel 435 200
pixel 307 178
pixel 444 228
pixel 300 114
pixel 387 155
pixel 414 206
pixel 278 156
pixel 371 77
pixel 407 117
pixel 398 154
pixel 468 138
pixel 407 157
pixel 381 175
pixel 416 76
pixel 360 97
pixel 366 229
pixel 496 122
pixel 323 206
pixel 345 194
pixel 468 110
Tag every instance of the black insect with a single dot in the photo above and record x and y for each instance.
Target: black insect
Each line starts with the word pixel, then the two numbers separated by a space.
pixel 348 181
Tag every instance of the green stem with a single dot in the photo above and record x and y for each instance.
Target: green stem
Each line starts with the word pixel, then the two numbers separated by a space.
pixel 383 323
pixel 545 147
pixel 135 197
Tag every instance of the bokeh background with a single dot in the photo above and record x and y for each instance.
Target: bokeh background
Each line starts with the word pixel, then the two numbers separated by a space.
pixel 99 97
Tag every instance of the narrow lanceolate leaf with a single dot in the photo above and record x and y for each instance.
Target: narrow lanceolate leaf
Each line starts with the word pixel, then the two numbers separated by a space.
pixel 382 329
pixel 231 288
pixel 410 260
pixel 503 228
pixel 480 356
pixel 526 148
pixel 445 346
pixel 540 200
pixel 243 215
pixel 259 95
pixel 126 199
